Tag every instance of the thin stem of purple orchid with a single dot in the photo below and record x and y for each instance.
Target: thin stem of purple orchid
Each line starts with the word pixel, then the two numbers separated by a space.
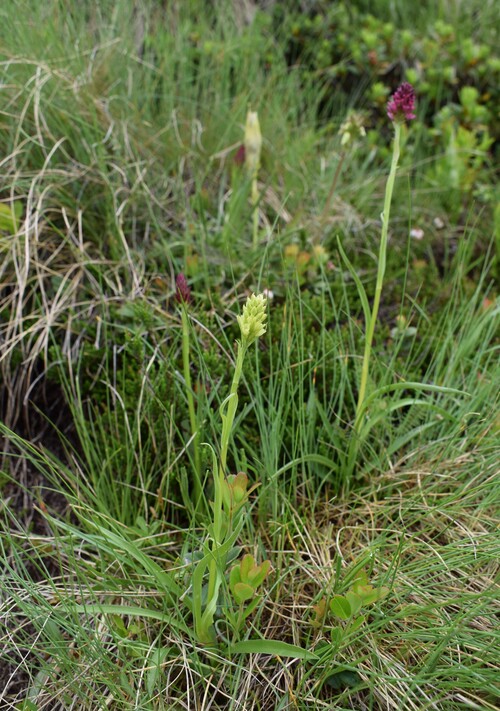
pixel 193 419
pixel 370 326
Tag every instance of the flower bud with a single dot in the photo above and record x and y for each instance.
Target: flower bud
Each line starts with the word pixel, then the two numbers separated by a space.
pixel 351 129
pixel 253 142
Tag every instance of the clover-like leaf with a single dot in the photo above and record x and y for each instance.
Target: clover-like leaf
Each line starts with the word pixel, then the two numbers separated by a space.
pixel 344 679
pixel 360 579
pixel 369 594
pixel 355 601
pixel 340 607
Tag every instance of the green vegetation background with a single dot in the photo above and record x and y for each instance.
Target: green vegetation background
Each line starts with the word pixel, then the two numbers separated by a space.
pixel 120 125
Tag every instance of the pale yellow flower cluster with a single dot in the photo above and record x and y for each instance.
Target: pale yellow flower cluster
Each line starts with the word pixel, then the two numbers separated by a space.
pixel 253 143
pixel 352 129
pixel 253 319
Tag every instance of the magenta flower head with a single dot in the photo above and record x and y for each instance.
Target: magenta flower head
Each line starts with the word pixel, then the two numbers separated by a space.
pixel 401 105
pixel 182 290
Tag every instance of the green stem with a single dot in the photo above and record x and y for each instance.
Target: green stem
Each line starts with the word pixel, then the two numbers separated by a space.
pixel 231 405
pixel 237 624
pixel 255 213
pixel 331 192
pixel 370 326
pixel 217 563
pixel 191 407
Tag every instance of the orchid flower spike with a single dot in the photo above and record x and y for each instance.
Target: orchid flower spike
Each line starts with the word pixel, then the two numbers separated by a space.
pixel 253 319
pixel 401 106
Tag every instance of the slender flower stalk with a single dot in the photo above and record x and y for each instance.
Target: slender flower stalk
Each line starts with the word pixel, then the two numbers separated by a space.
pixel 350 131
pixel 401 107
pixel 333 187
pixel 225 526
pixel 252 326
pixel 382 260
pixel 183 297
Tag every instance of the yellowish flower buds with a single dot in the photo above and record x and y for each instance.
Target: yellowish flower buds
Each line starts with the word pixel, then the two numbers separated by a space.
pixel 253 319
pixel 352 129
pixel 253 143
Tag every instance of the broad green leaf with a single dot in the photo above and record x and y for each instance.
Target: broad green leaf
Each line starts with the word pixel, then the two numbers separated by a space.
pixel 373 595
pixel 253 573
pixel 343 679
pixel 362 589
pixel 357 568
pixel 233 554
pixel 131 610
pixel 26 705
pixel 204 619
pixel 273 647
pixel 355 601
pixel 340 607
pixel 119 625
pixel 243 592
pixel 360 579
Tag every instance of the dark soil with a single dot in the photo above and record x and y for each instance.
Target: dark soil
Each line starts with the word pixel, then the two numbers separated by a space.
pixel 27 493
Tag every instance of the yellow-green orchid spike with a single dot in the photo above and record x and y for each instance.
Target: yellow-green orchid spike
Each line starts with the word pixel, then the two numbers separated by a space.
pixel 253 319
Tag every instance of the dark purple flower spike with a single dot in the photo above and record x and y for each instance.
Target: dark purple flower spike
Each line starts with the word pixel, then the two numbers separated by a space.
pixel 401 106
pixel 182 290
